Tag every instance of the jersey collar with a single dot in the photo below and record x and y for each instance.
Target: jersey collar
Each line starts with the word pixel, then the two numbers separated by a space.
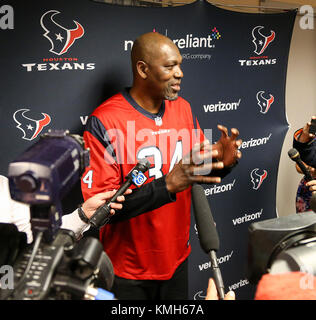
pixel 157 117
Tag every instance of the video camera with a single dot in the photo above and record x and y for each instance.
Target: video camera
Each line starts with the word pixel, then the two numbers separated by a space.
pixel 54 265
pixel 283 244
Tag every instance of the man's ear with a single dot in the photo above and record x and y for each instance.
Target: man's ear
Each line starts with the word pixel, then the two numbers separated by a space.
pixel 142 69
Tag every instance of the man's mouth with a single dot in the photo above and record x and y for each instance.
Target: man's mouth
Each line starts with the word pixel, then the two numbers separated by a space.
pixel 176 87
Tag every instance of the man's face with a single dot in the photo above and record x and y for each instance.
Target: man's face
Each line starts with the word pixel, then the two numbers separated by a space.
pixel 165 73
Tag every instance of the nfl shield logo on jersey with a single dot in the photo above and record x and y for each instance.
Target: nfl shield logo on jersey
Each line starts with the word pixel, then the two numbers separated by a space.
pixel 158 121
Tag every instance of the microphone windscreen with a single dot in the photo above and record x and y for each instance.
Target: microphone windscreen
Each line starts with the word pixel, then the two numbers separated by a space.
pixel 293 153
pixel 204 220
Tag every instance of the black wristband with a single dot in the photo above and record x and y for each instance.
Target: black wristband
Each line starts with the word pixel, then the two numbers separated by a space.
pixel 82 215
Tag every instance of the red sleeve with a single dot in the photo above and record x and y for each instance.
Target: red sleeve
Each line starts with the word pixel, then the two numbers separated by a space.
pixel 103 174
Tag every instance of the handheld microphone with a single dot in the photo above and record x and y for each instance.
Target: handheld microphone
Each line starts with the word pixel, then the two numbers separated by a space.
pixel 208 235
pixel 295 156
pixel 136 176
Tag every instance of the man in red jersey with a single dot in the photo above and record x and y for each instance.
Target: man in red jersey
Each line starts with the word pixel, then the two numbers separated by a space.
pixel 148 241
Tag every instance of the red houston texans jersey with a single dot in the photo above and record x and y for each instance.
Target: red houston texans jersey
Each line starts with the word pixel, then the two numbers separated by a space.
pixel 153 244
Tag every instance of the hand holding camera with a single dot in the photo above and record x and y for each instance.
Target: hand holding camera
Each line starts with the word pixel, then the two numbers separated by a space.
pixel 309 131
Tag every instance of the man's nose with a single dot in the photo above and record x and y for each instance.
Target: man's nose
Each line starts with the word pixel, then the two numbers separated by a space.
pixel 178 72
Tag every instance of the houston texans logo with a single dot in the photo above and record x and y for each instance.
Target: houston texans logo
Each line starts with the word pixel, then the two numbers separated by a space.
pixel 61 39
pixel 31 128
pixel 257 179
pixel 198 296
pixel 260 41
pixel 264 103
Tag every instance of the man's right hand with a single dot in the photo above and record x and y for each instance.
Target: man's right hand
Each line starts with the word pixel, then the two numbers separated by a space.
pixel 192 168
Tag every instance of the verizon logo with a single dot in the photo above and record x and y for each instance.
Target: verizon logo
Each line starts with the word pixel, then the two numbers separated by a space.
pixel 239 284
pixel 221 106
pixel 255 142
pixel 207 265
pixel 247 218
pixel 84 120
pixel 219 189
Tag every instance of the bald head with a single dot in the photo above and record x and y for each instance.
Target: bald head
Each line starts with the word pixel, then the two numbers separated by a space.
pixel 148 46
pixel 157 73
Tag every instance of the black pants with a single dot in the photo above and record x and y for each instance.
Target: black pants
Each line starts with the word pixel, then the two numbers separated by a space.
pixel 175 288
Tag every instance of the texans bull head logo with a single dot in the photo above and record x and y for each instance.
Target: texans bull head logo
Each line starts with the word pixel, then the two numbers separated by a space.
pixel 61 39
pixel 260 41
pixel 31 128
pixel 257 179
pixel 264 103
pixel 199 296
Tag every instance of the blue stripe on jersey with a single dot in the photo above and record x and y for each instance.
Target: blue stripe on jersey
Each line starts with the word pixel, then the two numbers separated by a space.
pixel 97 129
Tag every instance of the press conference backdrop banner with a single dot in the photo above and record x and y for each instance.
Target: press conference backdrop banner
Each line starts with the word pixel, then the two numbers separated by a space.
pixel 63 58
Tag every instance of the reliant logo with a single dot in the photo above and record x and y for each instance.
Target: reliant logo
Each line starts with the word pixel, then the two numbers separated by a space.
pixel 31 128
pixel 198 42
pixel 222 106
pixel 263 102
pixel 255 142
pixel 247 218
pixel 257 179
pixel 220 260
pixel 261 40
pixel 219 188
pixel 61 40
pixel 188 41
